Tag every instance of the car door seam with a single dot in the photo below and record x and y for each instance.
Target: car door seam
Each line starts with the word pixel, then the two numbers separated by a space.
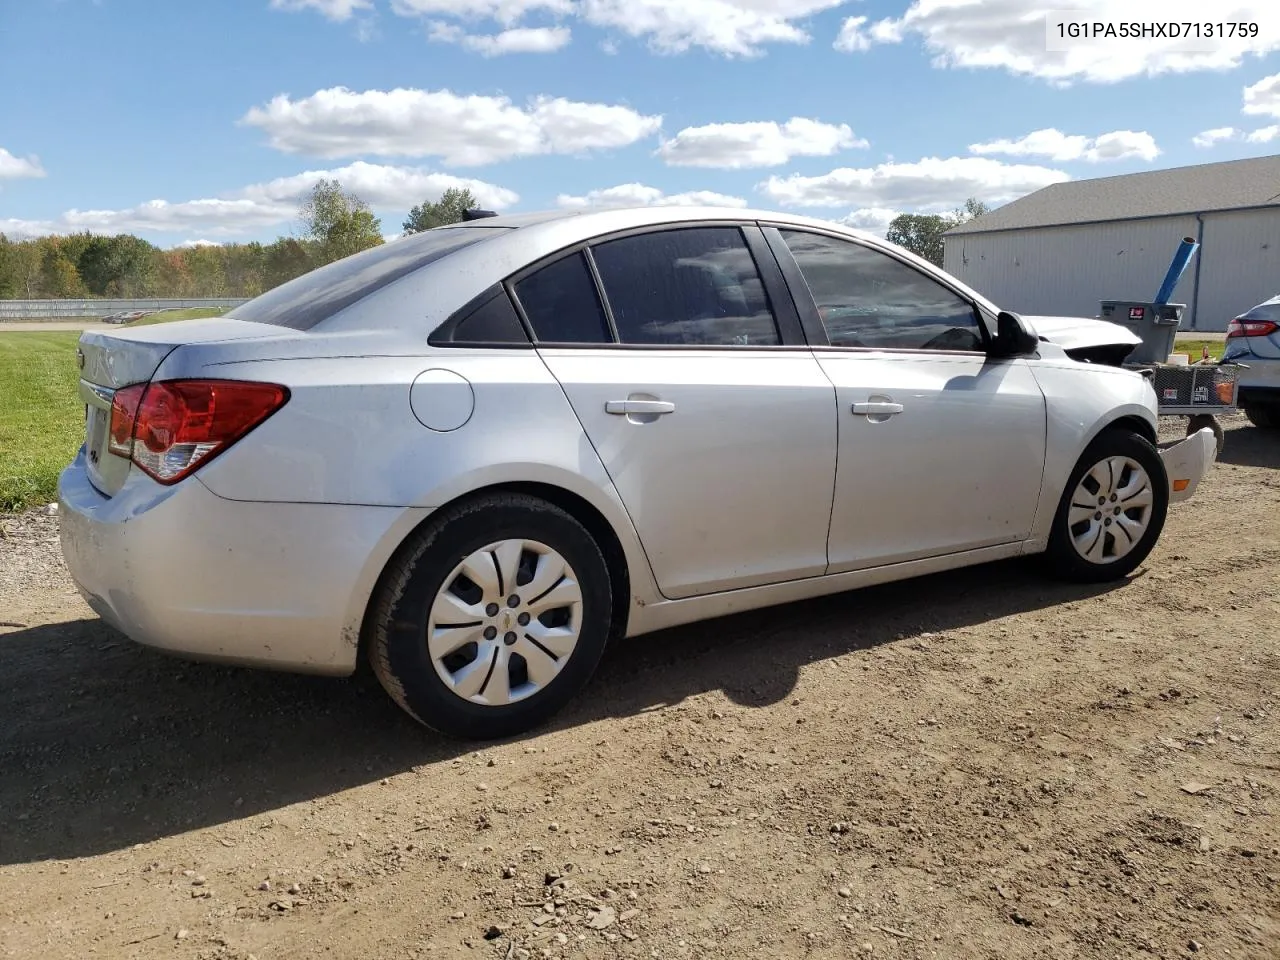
pixel 644 551
pixel 835 469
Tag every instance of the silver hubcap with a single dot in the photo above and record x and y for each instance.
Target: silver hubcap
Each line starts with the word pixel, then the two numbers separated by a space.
pixel 505 622
pixel 1110 510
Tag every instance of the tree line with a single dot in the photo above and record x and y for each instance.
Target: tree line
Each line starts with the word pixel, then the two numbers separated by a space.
pixel 922 233
pixel 334 223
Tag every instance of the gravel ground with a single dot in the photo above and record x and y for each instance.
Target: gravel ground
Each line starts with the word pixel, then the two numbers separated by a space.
pixel 978 764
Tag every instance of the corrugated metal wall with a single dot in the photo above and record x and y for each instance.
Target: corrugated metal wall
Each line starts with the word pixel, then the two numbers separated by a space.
pixel 1065 271
pixel 1241 264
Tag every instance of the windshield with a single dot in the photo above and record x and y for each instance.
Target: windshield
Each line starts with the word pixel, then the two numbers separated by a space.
pixel 313 297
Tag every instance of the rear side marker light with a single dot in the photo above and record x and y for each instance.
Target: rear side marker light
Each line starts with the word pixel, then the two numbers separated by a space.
pixel 172 427
pixel 1251 328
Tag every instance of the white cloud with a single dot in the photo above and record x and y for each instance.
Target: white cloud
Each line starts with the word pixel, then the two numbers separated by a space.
pixel 734 146
pixel 274 202
pixel 872 219
pixel 200 243
pixel 461 130
pixel 732 28
pixel 1263 97
pixel 931 184
pixel 381 186
pixel 1208 138
pixel 515 40
pixel 856 37
pixel 16 229
pixel 852 37
pixel 1059 147
pixel 13 168
pixel 337 10
pixel 1012 35
pixel 507 12
pixel 638 194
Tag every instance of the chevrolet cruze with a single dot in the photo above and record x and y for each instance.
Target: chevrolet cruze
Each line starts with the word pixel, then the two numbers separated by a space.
pixel 477 454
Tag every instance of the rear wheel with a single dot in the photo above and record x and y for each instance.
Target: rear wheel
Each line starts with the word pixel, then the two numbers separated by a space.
pixel 1267 417
pixel 492 617
pixel 1112 510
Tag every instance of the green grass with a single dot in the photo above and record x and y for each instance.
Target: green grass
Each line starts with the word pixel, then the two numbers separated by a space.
pixel 168 316
pixel 1195 347
pixel 41 415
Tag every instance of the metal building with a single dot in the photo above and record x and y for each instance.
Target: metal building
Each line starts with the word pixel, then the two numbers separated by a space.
pixel 1060 250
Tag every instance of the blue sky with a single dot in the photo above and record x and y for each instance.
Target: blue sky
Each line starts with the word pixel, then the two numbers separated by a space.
pixel 206 121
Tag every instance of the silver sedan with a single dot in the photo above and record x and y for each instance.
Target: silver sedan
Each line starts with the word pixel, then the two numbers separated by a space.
pixel 476 454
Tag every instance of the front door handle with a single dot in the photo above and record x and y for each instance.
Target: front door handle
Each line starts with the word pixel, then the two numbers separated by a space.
pixel 877 407
pixel 626 408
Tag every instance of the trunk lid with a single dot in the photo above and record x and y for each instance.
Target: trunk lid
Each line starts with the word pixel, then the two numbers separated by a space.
pixel 110 360
pixel 1267 347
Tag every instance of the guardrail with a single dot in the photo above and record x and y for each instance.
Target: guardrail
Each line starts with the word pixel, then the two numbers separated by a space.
pixel 70 309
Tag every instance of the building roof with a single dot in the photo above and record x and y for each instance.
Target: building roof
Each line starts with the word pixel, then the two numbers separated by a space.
pixel 1205 187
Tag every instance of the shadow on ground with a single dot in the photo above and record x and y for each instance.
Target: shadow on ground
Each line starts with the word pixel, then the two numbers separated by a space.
pixel 104 744
pixel 1251 447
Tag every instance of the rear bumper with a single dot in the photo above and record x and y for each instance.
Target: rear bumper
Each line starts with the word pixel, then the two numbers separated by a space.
pixel 1260 383
pixel 1187 461
pixel 275 585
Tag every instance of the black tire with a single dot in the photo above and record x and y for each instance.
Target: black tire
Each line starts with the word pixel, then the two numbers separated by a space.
pixel 1199 421
pixel 1063 559
pixel 397 645
pixel 1267 417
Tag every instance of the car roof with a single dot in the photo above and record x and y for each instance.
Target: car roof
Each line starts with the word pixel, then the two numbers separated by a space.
pixel 427 296
pixel 594 220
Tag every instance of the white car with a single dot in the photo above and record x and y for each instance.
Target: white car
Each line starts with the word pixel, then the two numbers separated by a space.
pixel 477 454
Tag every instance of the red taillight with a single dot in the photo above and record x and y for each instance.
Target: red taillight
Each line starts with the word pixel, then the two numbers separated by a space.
pixel 124 408
pixel 1252 328
pixel 171 427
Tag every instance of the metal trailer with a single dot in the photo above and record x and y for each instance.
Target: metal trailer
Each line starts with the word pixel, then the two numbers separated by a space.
pixel 1201 391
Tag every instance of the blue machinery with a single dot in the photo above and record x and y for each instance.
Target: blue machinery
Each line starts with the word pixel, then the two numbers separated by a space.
pixel 1186 250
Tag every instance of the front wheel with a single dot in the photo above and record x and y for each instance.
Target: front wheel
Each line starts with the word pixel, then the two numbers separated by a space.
pixel 492 617
pixel 1112 510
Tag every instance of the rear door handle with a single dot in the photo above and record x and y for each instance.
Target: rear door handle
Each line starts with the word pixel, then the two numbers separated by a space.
pixel 625 408
pixel 874 407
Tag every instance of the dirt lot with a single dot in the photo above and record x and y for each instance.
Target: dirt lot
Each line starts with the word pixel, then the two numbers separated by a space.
pixel 981 764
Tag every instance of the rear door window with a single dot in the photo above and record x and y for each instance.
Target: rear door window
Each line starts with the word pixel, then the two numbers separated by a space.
pixel 695 286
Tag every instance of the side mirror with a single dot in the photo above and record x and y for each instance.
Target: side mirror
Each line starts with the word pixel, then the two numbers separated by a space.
pixel 1013 337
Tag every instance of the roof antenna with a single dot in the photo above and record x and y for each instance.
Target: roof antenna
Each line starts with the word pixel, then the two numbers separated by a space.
pixel 477 214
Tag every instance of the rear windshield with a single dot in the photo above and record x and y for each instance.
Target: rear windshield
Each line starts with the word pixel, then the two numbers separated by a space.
pixel 313 297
